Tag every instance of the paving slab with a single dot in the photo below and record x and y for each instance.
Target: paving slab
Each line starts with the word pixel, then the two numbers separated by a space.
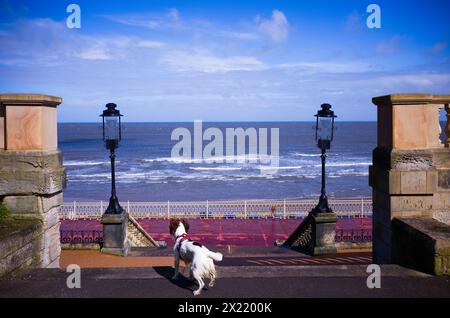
pixel 234 281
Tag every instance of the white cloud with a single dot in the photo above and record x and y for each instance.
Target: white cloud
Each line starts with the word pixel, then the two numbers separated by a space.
pixel 327 67
pixel 149 44
pixel 199 61
pixel 238 35
pixel 417 80
pixel 276 28
pixel 47 42
pixel 94 53
pixel 134 21
pixel 148 20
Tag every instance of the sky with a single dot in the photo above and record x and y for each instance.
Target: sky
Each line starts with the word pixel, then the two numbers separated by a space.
pixel 223 60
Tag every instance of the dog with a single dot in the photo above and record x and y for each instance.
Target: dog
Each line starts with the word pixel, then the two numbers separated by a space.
pixel 199 260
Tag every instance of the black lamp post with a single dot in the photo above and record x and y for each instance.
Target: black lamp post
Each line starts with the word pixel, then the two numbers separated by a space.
pixel 324 135
pixel 316 234
pixel 112 134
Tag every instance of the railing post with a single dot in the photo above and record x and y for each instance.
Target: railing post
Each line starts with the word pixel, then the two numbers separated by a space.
pixel 207 208
pixel 74 210
pixel 362 207
pixel 168 209
pixel 101 207
pixel 245 209
pixel 128 206
pixel 284 209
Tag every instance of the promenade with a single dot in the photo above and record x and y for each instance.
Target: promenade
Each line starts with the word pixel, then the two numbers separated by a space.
pixel 245 272
pixel 213 232
pixel 337 281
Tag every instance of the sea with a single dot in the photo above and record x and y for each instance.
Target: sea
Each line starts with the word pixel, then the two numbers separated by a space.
pixel 146 171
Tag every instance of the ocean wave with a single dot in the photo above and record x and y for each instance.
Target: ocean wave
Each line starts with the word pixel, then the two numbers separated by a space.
pixel 85 163
pixel 344 164
pixel 300 154
pixel 216 168
pixel 214 159
pixel 280 167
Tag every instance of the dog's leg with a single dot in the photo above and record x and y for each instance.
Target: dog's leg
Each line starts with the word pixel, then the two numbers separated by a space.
pixel 213 279
pixel 200 282
pixel 176 266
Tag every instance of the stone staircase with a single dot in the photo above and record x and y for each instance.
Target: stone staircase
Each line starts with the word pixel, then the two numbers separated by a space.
pixel 137 236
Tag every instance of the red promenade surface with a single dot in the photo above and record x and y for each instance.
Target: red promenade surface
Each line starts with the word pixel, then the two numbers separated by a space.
pixel 215 232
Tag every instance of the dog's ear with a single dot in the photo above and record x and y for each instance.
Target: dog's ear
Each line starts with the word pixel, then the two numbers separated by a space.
pixel 173 224
pixel 186 225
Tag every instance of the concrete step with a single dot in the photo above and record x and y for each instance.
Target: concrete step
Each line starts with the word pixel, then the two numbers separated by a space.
pixel 233 281
pixel 227 250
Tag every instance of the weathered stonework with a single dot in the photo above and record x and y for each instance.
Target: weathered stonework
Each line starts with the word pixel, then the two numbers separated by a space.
pixel 115 234
pixel 137 236
pixel 31 179
pixel 422 244
pixel 442 216
pixel 21 249
pixel 315 235
pixel 30 121
pixel 410 171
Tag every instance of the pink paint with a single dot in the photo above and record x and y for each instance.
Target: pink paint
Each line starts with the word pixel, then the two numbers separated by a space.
pixel 261 232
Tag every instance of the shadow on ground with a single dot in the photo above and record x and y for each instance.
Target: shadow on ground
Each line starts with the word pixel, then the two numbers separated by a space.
pixel 182 282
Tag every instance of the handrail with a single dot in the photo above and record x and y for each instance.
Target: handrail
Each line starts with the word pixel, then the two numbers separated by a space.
pixel 283 209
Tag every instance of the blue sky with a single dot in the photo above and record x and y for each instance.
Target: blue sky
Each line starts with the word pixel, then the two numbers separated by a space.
pixel 223 60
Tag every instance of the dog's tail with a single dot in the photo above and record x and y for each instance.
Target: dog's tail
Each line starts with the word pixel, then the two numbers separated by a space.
pixel 215 256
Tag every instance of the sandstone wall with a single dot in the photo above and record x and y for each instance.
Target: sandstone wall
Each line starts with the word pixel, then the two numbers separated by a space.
pixel 32 178
pixel 410 174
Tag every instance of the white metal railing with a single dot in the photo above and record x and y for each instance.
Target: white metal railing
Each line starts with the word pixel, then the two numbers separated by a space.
pixel 287 208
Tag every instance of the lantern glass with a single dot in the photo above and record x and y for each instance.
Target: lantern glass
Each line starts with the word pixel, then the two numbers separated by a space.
pixel 112 128
pixel 325 128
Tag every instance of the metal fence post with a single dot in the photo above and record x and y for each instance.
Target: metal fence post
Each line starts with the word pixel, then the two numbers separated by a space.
pixel 354 207
pixel 362 207
pixel 245 209
pixel 168 209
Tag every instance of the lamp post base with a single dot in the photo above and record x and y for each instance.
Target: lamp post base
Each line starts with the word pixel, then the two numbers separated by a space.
pixel 324 232
pixel 315 235
pixel 115 234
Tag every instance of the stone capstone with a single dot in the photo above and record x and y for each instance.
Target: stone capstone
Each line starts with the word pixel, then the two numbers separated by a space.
pixel 31 173
pixel 422 244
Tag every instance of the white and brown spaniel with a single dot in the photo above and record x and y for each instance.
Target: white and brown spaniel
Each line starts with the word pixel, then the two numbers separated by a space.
pixel 199 260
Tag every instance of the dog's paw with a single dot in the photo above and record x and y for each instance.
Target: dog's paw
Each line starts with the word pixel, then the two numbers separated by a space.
pixel 196 292
pixel 211 284
pixel 174 277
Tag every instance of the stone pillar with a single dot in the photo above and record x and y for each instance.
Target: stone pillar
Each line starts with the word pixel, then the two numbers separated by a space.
pixel 115 239
pixel 31 173
pixel 411 168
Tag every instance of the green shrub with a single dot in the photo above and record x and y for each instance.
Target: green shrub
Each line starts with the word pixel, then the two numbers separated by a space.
pixel 4 213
